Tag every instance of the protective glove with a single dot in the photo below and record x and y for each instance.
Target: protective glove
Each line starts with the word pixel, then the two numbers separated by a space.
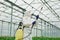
pixel 37 17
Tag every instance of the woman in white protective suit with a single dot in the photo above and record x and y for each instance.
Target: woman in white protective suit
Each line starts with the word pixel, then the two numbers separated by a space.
pixel 26 22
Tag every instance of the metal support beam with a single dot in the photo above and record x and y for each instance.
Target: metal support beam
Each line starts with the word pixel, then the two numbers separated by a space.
pixel 54 21
pixel 10 7
pixel 15 5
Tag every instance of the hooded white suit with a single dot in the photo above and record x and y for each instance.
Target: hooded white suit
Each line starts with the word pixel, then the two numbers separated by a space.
pixel 27 20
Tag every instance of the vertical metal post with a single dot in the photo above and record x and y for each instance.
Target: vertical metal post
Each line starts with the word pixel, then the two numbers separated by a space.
pixel 36 31
pixel 45 28
pixel 49 29
pixel 41 28
pixel 1 28
pixel 11 19
pixel 8 28
pixel 14 29
pixel 52 31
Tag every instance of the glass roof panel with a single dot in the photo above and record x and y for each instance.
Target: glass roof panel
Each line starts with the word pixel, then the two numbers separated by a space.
pixel 48 10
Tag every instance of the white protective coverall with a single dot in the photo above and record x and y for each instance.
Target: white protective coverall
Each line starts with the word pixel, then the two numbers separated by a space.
pixel 27 20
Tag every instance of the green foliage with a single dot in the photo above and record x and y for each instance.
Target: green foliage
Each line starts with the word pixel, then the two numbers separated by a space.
pixel 33 38
pixel 44 38
pixel 7 38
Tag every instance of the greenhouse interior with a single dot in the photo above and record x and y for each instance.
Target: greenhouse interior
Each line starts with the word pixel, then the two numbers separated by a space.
pixel 29 19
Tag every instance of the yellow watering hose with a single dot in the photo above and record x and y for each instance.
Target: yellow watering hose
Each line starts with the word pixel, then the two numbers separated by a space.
pixel 19 34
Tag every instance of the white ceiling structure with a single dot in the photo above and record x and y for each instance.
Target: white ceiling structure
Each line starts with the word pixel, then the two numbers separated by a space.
pixel 48 10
